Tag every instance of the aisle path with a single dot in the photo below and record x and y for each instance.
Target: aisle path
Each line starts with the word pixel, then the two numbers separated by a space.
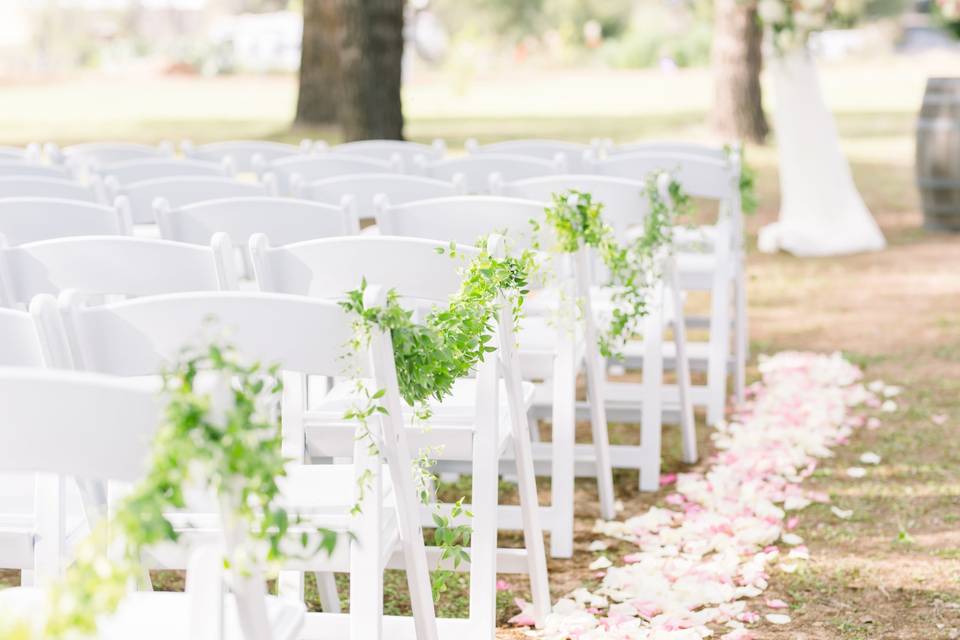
pixel 703 558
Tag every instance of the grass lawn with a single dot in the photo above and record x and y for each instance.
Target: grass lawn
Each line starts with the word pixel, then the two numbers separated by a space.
pixel 893 569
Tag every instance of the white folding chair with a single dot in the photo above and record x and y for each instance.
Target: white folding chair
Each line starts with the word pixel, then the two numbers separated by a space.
pixel 121 173
pixel 16 168
pixel 290 173
pixel 45 187
pixel 92 154
pixel 470 430
pixel 388 150
pixel 571 152
pixel 283 220
pixel 32 219
pixel 178 191
pixel 668 147
pixel 708 260
pixel 102 428
pixel 302 336
pixel 476 170
pixel 363 189
pixel 112 266
pixel 245 155
pixel 625 208
pixel 551 353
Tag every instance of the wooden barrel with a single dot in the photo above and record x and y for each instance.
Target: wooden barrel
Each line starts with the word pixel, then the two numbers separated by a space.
pixel 938 154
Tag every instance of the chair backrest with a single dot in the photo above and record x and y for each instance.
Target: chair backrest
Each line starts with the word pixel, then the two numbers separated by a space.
pixel 140 336
pixel 182 190
pixel 13 167
pixel 330 267
pixel 25 220
pixel 30 153
pixel 19 341
pixel 45 187
pixel 476 170
pixel 92 154
pixel 363 189
pixel 624 203
pixel 73 423
pixel 150 168
pixel 701 177
pixel 291 172
pixel 462 219
pixel 670 147
pixel 387 150
pixel 113 265
pixel 244 155
pixel 283 220
pixel 571 152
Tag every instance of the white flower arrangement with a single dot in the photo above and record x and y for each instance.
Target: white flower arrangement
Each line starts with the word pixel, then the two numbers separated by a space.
pixel 790 22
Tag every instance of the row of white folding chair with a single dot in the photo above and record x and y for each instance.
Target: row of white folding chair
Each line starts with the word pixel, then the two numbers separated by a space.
pixel 32 220
pixel 549 355
pixel 245 155
pixel 409 153
pixel 29 153
pixel 651 402
pixel 709 178
pixel 92 154
pixel 139 337
pixel 89 278
pixel 484 420
pixel 40 407
pixel 294 172
pixel 88 190
pixel 571 153
pixel 363 189
pixel 12 168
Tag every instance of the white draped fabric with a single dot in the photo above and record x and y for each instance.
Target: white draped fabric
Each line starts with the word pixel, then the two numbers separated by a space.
pixel 821 211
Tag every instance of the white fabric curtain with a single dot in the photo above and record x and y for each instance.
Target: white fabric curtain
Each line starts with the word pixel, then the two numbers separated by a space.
pixel 821 211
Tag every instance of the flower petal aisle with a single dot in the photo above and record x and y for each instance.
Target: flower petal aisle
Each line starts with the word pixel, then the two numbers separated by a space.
pixel 711 548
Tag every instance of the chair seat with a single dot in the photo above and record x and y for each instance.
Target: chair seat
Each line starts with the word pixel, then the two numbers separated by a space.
pixel 160 615
pixel 18 525
pixel 451 426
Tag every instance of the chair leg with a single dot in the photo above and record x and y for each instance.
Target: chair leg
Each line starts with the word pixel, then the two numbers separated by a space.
pixel 484 489
pixel 327 590
pixel 596 382
pixel 526 483
pixel 562 455
pixel 366 570
pixel 688 427
pixel 741 344
pixel 651 424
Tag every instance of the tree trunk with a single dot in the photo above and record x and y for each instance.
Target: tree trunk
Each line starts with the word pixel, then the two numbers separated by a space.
pixel 737 61
pixel 320 81
pixel 370 59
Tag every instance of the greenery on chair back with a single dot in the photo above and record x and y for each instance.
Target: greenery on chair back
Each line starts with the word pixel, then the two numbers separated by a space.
pixel 632 268
pixel 226 442
pixel 430 356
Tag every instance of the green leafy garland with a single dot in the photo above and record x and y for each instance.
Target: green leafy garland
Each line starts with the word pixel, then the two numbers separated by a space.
pixel 431 356
pixel 749 202
pixel 577 221
pixel 233 451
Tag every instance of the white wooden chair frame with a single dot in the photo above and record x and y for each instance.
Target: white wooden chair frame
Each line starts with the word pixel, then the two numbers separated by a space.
pixel 32 219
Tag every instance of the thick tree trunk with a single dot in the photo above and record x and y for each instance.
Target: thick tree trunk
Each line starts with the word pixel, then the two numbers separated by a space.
pixel 370 60
pixel 320 81
pixel 737 61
